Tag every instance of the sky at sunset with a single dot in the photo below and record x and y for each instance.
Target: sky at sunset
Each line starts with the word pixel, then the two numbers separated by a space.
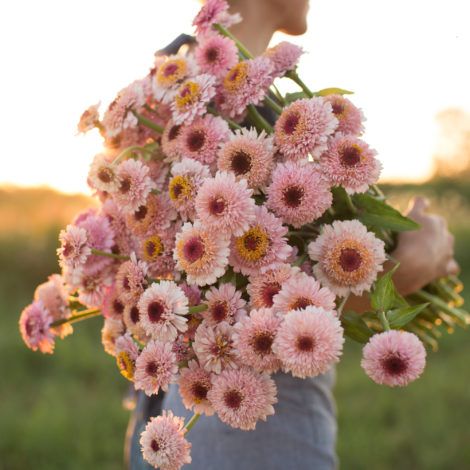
pixel 405 60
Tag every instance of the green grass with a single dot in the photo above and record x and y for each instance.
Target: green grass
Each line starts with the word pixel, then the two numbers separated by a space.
pixel 65 411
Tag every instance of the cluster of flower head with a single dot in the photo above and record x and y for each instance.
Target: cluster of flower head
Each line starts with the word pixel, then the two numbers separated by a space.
pixel 208 256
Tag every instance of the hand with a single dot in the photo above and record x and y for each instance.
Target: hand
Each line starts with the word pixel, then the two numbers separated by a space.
pixel 424 254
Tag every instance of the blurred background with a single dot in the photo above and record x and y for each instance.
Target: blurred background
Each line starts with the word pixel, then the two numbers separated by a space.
pixel 408 65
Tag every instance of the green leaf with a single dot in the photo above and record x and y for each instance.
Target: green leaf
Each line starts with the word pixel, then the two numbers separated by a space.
pixel 291 97
pixel 384 295
pixel 376 213
pixel 355 327
pixel 399 317
pixel 333 91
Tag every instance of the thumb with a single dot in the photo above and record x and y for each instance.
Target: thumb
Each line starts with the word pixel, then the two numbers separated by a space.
pixel 418 205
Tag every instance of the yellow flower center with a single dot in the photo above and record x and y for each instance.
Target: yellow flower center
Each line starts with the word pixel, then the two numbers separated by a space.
pixel 152 248
pixel 236 77
pixel 253 244
pixel 188 94
pixel 180 188
pixel 125 364
pixel 171 72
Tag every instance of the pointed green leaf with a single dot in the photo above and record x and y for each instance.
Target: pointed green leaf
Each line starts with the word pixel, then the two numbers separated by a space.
pixel 384 294
pixel 399 317
pixel 355 327
pixel 333 91
pixel 291 97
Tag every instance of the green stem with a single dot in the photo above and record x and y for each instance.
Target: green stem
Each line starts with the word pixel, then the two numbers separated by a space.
pixel 342 304
pixel 83 315
pixel 232 124
pixel 300 260
pixel 383 320
pixel 109 255
pixel 295 78
pixel 189 425
pixel 350 204
pixel 198 308
pixel 273 105
pixel 228 34
pixel 148 123
pixel 128 151
pixel 279 95
pixel 259 120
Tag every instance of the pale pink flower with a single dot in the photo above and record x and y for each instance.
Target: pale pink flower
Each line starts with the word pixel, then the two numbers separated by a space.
pixel 123 239
pixel 131 319
pixel 194 383
pixel 131 279
pixel 224 205
pixel 183 349
pixel 246 83
pixel 394 358
pixel 348 257
pixel 201 254
pixel 112 306
pixel 135 185
pixel 126 352
pixel 164 444
pixel 163 307
pixel 74 247
pixel 214 348
pixel 91 285
pixel 187 177
pixel 89 119
pixel 201 139
pixel 35 328
pixel 192 98
pixel 309 342
pixel 254 337
pixel 214 11
pixel 263 287
pixel 192 292
pixel 111 331
pixel 155 368
pixel 349 162
pixel 216 54
pixel 284 56
pixel 102 175
pixel 349 117
pixel 243 397
pixel 224 303
pixel 298 194
pixel 303 128
pixel 171 140
pixel 248 155
pixel 299 292
pixel 263 246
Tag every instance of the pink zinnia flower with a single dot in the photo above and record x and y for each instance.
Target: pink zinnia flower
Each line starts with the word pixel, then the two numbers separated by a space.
pixel 254 337
pixel 192 292
pixel 349 257
pixel 157 251
pixel 299 292
pixel 126 354
pixel 74 247
pixel 284 56
pixel 155 368
pixel 131 319
pixel 187 176
pixel 303 128
pixel 214 348
pixel 349 117
pixel 192 98
pixel 298 194
pixel 224 303
pixel 263 287
pixel 394 358
pixel 201 254
pixel 113 306
pixel 309 342
pixel 123 240
pixel 89 119
pixel 349 162
pixel 92 286
pixel 111 331
pixel 163 307
pixel 263 246
pixel 135 185
pixel 102 175
pixel 216 54
pixel 225 205
pixel 131 279
pixel 249 156
pixel 164 444
pixel 243 397
pixel 214 11
pixel 201 139
pixel 246 83
pixel 35 322
pixel 194 383
pixel 170 140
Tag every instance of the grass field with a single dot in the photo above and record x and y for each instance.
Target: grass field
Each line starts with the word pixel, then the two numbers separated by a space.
pixel 65 411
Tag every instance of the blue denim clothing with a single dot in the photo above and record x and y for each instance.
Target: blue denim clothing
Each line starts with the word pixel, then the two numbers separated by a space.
pixel 300 435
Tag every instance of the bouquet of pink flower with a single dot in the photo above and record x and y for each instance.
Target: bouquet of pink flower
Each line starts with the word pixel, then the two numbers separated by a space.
pixel 234 222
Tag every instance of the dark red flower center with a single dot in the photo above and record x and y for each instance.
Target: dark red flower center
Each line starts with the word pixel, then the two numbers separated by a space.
pixel 134 314
pixel 290 123
pixel 67 249
pixel 174 132
pixel 301 302
pixel 118 306
pixel 394 365
pixel 151 368
pixel 217 206
pixel 305 343
pixel 155 311
pixel 219 311
pixel 292 196
pixel 140 213
pixel 338 108
pixel 105 175
pixel 193 249
pixel 262 343
pixel 241 163
pixel 350 156
pixel 212 54
pixel 350 259
pixel 125 185
pixel 154 445
pixel 196 140
pixel 125 284
pixel 199 391
pixel 269 291
pixel 233 399
pixel 177 190
pixel 170 69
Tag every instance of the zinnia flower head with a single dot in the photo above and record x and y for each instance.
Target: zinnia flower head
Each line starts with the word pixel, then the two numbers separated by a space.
pixel 394 358
pixel 214 11
pixel 35 322
pixel 130 279
pixel 113 306
pixel 254 337
pixel 170 140
pixel 156 250
pixel 201 254
pixel 224 303
pixel 89 119
pixel 111 331
pixel 192 97
pixel 350 163
pixel 349 117
pixel 102 175
pixel 301 291
pixel 164 444
pixel 194 384
pixel 225 205
pixel 243 397
pixel 309 341
pixel 263 246
pixel 284 56
pixel 126 354
pixel 74 247
pixel 131 319
pixel 92 285
pixel 248 155
pixel 163 307
pixel 155 368
pixel 303 128
pixel 298 194
pixel 349 257
pixel 216 54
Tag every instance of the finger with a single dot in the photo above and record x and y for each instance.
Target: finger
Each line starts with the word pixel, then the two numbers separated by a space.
pixel 418 205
